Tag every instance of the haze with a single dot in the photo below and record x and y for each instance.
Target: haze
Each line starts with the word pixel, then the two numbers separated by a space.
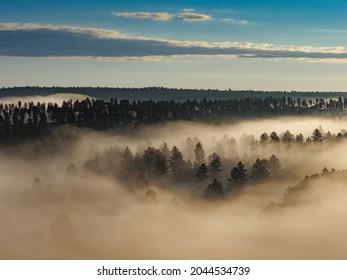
pixel 50 211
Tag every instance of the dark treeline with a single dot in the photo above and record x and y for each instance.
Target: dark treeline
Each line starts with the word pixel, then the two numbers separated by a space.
pixel 163 93
pixel 29 120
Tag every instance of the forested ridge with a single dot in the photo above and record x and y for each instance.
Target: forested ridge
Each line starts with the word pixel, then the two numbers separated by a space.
pixel 163 93
pixel 32 120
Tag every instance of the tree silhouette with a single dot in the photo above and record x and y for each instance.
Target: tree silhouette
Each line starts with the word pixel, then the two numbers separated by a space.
pixel 274 137
pixel 238 175
pixel 149 160
pixel 264 139
pixel 199 154
pixel 202 171
pixel 299 139
pixel 214 190
pixel 165 150
pixel 176 161
pixel 154 162
pixel 259 171
pixel 215 163
pixel 274 165
pixel 316 135
pixel 160 164
pixel 288 137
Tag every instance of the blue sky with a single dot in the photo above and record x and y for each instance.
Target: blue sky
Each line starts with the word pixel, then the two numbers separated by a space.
pixel 266 45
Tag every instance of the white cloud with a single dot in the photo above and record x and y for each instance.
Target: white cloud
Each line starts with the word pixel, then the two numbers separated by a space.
pixel 145 15
pixel 236 21
pixel 97 32
pixel 186 15
pixel 193 16
pixel 38 40
pixel 188 10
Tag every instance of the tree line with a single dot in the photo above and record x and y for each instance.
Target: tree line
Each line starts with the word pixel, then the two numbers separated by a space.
pixel 28 120
pixel 161 93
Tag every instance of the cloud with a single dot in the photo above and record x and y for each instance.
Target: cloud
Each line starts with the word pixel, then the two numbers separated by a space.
pixel 144 15
pixel 236 21
pixel 37 40
pixel 96 32
pixel 193 16
pixel 188 10
pixel 186 15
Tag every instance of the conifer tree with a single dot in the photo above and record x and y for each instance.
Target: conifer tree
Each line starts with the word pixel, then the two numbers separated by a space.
pixel 199 154
pixel 215 163
pixel 176 161
pixel 238 175
pixel 202 171
pixel 259 171
pixel 214 190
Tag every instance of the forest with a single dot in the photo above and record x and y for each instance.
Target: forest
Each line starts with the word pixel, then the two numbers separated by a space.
pixel 29 120
pixel 251 178
pixel 163 93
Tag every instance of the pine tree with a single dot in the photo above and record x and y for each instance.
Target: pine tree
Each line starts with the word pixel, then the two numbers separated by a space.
pixel 160 163
pixel 316 135
pixel 214 190
pixel 264 138
pixel 259 171
pixel 199 154
pixel 215 163
pixel 299 139
pixel 149 160
pixel 274 165
pixel 238 175
pixel 288 137
pixel 154 162
pixel 176 161
pixel 128 155
pixel 202 171
pixel 274 137
pixel 165 150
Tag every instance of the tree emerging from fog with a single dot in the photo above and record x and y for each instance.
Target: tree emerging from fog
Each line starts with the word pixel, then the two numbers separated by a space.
pixel 36 121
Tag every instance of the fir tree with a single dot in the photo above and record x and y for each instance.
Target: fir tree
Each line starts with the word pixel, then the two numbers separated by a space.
pixel 214 190
pixel 238 175
pixel 202 171
pixel 176 161
pixel 199 154
pixel 259 171
pixel 215 163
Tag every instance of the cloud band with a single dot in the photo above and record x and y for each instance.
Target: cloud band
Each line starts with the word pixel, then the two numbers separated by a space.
pixel 34 40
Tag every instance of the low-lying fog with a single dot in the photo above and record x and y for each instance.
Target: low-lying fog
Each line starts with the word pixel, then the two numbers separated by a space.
pixel 48 211
pixel 58 98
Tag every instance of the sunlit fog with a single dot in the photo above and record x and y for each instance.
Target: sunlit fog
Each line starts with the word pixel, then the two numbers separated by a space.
pixel 145 194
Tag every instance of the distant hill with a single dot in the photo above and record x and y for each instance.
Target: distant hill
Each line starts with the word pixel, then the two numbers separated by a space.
pixel 160 93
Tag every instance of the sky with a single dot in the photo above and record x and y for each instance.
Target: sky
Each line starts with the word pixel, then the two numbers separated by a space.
pixel 237 44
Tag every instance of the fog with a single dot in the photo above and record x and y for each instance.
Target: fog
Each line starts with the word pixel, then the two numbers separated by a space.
pixel 58 98
pixel 53 205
